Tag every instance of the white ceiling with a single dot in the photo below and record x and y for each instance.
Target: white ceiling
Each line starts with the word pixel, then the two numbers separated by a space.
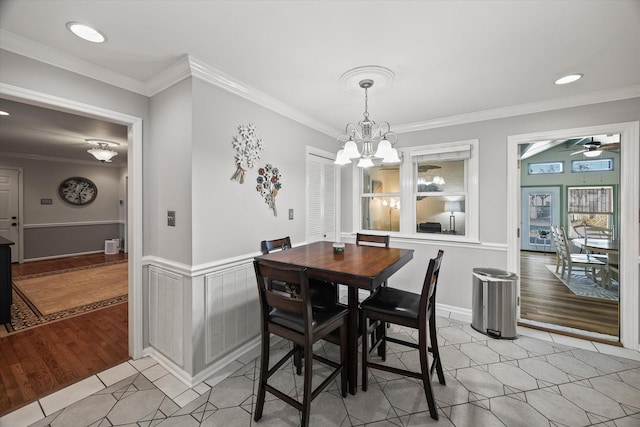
pixel 450 58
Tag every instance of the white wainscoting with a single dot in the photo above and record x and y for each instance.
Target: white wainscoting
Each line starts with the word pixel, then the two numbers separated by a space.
pixel 232 309
pixel 166 313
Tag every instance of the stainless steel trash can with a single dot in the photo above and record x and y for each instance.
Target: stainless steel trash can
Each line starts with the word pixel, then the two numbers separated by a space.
pixel 493 310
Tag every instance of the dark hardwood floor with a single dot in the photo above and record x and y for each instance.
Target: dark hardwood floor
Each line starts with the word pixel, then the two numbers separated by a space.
pixel 38 361
pixel 543 298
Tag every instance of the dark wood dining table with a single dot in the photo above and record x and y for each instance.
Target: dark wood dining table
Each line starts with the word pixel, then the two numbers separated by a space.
pixel 360 267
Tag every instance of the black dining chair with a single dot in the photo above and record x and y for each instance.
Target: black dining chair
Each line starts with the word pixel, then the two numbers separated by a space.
pixel 416 311
pixel 323 293
pixel 293 318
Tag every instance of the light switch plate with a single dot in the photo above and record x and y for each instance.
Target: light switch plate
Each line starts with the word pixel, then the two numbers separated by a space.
pixel 171 218
pixel 290 213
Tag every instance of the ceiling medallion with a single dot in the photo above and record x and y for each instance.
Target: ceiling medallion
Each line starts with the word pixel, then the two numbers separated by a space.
pixel 350 81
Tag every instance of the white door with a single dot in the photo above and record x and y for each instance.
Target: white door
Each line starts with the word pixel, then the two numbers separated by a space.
pixel 9 196
pixel 321 198
pixel 540 210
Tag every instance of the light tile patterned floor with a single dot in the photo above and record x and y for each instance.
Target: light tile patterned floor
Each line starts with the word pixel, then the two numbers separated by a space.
pixel 536 380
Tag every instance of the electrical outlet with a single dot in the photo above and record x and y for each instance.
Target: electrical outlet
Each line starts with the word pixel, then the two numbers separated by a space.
pixel 290 213
pixel 171 218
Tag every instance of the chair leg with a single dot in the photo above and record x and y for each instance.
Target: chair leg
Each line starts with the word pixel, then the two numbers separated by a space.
pixel 380 334
pixel 297 359
pixel 306 395
pixel 569 274
pixel 343 359
pixel 264 368
pixel 365 350
pixel 435 351
pixel 426 377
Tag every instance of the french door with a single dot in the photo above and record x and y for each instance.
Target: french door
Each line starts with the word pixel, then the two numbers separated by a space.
pixel 540 210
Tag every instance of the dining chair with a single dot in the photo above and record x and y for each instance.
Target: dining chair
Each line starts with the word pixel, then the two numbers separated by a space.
pixel 293 318
pixel 587 261
pixel 323 294
pixel 383 242
pixel 416 311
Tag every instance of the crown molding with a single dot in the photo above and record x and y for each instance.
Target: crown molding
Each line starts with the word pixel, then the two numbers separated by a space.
pixel 178 71
pixel 42 53
pixel 218 78
pixel 522 109
pixel 62 160
pixel 188 66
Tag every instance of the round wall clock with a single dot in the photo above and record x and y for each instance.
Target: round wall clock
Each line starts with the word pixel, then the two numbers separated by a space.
pixel 78 191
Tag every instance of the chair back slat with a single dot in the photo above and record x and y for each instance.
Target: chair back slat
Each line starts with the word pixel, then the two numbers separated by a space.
pixel 372 240
pixel 267 273
pixel 428 295
pixel 267 246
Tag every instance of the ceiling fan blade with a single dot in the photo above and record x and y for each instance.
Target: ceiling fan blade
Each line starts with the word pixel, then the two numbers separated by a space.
pixel 578 152
pixel 613 146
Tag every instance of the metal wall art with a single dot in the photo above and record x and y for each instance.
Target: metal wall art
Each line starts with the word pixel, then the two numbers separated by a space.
pixel 269 185
pixel 248 150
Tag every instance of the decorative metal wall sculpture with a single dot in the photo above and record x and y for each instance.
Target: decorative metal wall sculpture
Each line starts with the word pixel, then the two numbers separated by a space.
pixel 248 150
pixel 268 185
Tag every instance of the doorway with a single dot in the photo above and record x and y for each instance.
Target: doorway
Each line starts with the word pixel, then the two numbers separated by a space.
pixel 134 192
pixel 628 203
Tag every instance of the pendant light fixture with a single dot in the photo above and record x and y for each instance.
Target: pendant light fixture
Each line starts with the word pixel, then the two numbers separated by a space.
pixel 366 134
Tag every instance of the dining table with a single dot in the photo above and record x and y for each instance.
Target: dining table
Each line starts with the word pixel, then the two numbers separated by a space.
pixel 610 247
pixel 357 267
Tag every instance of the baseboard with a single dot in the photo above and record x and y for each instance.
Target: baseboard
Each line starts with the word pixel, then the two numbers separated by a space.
pixel 453 312
pixel 214 373
pixel 63 256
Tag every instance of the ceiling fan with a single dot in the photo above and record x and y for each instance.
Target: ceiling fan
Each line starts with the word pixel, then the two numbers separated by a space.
pixel 594 148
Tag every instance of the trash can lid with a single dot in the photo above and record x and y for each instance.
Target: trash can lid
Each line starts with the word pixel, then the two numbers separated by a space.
pixel 495 273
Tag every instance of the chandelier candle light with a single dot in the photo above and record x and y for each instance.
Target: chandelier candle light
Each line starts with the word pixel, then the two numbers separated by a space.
pixel 367 133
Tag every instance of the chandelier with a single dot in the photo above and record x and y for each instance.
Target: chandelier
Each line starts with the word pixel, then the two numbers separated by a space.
pixel 102 152
pixel 367 133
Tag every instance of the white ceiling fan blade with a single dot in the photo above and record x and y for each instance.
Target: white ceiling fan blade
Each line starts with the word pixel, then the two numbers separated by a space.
pixel 578 152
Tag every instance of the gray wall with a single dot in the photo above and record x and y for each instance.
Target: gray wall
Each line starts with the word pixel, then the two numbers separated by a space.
pixel 60 228
pixel 456 273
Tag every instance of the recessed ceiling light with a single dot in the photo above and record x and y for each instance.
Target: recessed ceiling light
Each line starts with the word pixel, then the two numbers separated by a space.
pixel 86 32
pixel 569 79
pixel 3 113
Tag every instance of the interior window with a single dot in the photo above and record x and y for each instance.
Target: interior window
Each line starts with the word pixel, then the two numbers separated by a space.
pixel 381 198
pixel 432 194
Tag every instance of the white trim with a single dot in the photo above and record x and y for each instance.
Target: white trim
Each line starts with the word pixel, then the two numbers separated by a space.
pixel 61 160
pixel 609 95
pixel 189 66
pixel 629 205
pixel 134 204
pixel 218 367
pixel 52 56
pixel 72 224
pixel 216 77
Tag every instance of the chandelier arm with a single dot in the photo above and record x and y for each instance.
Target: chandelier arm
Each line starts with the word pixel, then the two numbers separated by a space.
pixel 392 134
pixel 356 133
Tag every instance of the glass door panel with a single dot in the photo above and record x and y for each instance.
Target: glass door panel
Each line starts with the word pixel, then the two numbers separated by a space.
pixel 540 210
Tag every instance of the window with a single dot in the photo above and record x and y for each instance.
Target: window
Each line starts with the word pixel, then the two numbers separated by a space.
pixel 433 194
pixel 381 198
pixel 597 165
pixel 590 207
pixel 545 168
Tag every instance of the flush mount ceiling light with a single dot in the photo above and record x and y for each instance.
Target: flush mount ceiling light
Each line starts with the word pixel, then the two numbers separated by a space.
pixel 86 32
pixel 570 78
pixel 366 133
pixel 102 151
